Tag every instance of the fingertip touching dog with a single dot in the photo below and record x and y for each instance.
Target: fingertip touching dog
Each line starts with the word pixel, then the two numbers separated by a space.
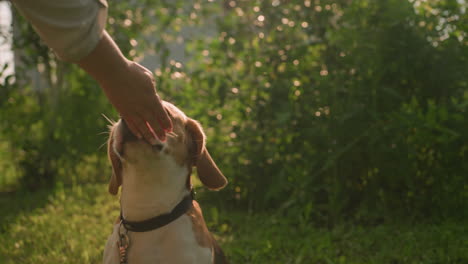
pixel 159 221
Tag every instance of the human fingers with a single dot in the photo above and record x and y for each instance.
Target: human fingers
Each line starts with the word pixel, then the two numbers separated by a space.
pixel 161 115
pixel 154 126
pixel 144 130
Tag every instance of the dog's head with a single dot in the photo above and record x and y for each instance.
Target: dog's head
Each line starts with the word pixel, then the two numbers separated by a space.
pixel 185 147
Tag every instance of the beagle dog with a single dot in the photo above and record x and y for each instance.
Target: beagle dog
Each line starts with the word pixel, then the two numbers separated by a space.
pixel 159 221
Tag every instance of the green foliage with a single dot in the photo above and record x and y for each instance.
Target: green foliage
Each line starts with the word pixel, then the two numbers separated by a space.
pixel 325 110
pixel 338 109
pixel 52 125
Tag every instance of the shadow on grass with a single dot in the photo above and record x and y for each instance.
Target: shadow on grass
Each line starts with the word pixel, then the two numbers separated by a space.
pixel 20 202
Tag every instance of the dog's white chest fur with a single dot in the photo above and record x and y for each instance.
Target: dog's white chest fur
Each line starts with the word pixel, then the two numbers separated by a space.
pixel 152 187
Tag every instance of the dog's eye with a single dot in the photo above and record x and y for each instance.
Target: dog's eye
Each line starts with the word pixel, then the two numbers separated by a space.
pixel 157 147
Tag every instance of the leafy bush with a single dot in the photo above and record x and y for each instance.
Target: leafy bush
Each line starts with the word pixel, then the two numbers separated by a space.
pixel 335 108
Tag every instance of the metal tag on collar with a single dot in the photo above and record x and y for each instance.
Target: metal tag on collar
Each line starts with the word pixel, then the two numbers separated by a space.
pixel 123 244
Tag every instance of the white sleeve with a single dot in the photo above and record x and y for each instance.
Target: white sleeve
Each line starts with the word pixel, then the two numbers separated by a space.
pixel 72 28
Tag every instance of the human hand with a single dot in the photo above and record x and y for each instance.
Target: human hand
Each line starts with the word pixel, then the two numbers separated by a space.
pixel 133 94
pixel 130 88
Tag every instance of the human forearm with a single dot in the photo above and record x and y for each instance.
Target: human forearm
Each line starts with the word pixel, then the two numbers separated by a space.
pixel 129 87
pixel 105 60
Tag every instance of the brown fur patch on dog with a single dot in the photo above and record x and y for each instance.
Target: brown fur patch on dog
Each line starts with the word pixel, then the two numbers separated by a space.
pixel 202 234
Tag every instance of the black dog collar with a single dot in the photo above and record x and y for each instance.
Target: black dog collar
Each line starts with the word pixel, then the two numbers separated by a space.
pixel 161 220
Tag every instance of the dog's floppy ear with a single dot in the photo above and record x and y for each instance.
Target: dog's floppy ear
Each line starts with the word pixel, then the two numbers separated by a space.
pixel 116 178
pixel 207 171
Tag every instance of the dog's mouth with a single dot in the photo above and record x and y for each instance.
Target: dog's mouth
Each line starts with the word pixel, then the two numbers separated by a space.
pixel 127 136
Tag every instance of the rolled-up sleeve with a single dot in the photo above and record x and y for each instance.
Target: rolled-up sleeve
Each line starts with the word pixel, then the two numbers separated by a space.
pixel 72 28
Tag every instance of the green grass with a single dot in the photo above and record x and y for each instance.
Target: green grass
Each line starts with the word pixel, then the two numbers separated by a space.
pixel 71 225
pixel 9 174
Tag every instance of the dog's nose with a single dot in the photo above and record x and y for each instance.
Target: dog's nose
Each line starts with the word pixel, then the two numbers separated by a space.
pixel 158 147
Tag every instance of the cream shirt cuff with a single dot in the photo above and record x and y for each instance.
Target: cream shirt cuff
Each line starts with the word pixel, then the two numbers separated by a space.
pixel 72 28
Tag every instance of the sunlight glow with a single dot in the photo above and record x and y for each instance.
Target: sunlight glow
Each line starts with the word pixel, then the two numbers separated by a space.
pixel 6 54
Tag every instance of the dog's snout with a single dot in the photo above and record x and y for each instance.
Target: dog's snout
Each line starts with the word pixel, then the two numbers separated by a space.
pixel 158 147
